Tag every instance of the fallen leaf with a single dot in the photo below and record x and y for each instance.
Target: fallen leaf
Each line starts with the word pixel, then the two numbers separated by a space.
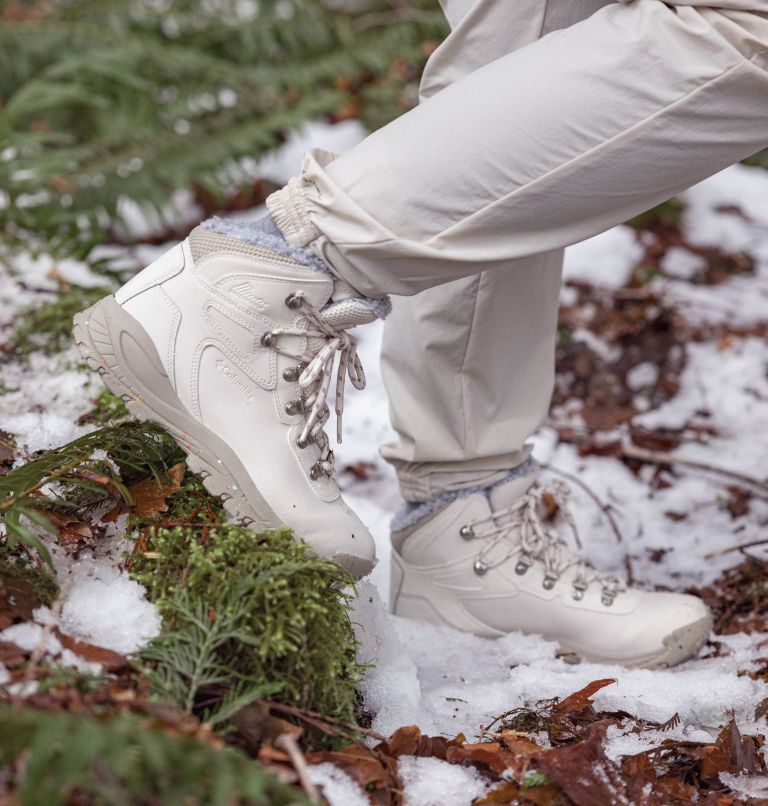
pixel 587 775
pixel 149 495
pixel 111 661
pixel 17 600
pixel 581 699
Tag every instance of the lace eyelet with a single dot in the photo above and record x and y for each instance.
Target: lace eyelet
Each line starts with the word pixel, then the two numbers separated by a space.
pixel 522 567
pixel 466 532
pixel 579 589
pixel 607 598
pixel 303 443
pixel 316 471
pixel 291 374
pixel 294 407
pixel 268 339
pixel 480 567
pixel 548 582
pixel 293 301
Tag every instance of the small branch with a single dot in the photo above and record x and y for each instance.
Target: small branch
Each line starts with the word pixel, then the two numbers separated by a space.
pixel 604 508
pixel 660 458
pixel 313 718
pixel 287 743
pixel 739 547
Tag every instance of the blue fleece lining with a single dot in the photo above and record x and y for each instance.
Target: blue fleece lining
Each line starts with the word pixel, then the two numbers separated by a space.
pixel 411 513
pixel 267 236
pixel 266 233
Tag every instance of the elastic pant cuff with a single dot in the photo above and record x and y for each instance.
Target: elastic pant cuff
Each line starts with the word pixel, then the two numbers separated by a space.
pixel 288 208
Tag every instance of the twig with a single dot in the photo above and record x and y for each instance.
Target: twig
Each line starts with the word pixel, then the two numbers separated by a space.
pixel 286 742
pixel 313 717
pixel 604 508
pixel 739 547
pixel 660 458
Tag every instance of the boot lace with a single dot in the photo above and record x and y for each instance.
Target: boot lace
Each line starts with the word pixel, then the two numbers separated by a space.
pixel 520 528
pixel 316 373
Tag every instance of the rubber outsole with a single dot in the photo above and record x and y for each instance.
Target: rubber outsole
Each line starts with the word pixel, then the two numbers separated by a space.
pixel 102 333
pixel 680 645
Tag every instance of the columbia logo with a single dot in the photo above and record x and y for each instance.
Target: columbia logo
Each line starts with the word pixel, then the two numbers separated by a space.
pixel 235 380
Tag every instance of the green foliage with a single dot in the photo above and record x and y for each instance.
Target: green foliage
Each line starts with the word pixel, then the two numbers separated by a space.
pixel 75 478
pixel 109 408
pixel 286 614
pixel 61 758
pixel 760 159
pixel 196 660
pixel 668 212
pixel 136 98
pixel 49 327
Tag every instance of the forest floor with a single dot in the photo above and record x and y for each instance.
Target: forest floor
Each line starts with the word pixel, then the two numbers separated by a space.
pixel 660 417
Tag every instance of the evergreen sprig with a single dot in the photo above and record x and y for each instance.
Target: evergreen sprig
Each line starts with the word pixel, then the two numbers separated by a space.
pixel 80 473
pixel 194 662
pixel 62 758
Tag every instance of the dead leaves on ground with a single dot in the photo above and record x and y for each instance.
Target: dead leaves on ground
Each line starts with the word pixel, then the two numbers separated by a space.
pixel 573 769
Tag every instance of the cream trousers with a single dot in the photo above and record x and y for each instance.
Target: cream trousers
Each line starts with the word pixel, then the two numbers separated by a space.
pixel 542 123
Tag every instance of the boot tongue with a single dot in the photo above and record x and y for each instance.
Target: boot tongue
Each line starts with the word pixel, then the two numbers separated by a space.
pixel 345 313
pixel 508 492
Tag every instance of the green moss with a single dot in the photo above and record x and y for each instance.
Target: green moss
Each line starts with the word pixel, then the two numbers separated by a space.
pixel 49 326
pixel 292 607
pixel 62 758
pixel 109 408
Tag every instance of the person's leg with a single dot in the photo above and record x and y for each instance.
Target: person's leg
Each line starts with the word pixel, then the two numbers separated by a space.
pixel 481 411
pixel 542 148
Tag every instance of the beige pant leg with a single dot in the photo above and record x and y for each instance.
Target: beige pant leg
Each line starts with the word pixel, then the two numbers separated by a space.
pixel 543 147
pixel 482 407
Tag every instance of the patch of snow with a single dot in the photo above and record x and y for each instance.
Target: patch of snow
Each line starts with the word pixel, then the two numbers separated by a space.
pixel 110 610
pixel 391 687
pixel 337 787
pixel 747 786
pixel 682 263
pixel 627 742
pixel 432 782
pixel 642 375
pixel 606 260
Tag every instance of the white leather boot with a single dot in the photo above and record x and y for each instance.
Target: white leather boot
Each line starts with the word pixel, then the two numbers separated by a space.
pixel 487 564
pixel 230 346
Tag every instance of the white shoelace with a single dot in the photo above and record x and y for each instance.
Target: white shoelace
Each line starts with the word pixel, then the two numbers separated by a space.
pixel 315 378
pixel 521 528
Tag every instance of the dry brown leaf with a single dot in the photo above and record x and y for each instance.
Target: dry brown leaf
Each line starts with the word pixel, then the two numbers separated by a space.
pixel 111 661
pixel 581 699
pixel 587 775
pixel 149 495
pixel 17 600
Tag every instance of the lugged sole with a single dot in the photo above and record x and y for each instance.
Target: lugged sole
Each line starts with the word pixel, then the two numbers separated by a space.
pixel 678 646
pixel 102 334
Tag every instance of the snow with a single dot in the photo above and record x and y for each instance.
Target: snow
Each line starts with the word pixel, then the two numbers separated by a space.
pixel 748 786
pixel 110 610
pixel 442 680
pixel 432 782
pixel 336 786
pixel 606 260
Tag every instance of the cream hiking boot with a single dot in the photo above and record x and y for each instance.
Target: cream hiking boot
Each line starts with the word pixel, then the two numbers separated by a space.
pixel 486 564
pixel 230 346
